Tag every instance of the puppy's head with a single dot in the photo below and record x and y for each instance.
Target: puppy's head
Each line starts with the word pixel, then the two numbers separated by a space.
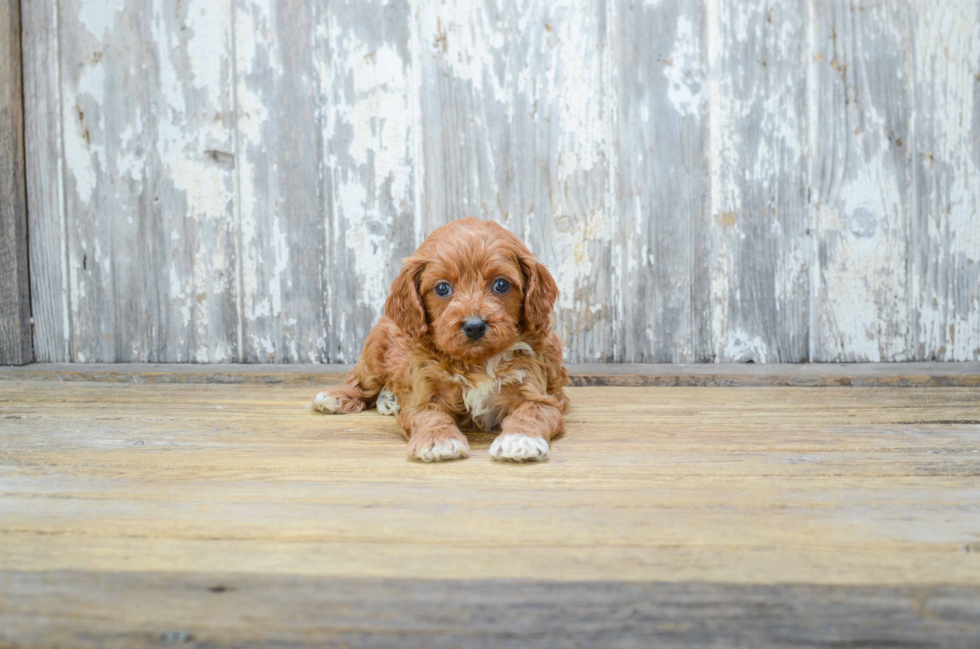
pixel 473 288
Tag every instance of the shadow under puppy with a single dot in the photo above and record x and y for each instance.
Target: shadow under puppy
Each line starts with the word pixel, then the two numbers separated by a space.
pixel 465 342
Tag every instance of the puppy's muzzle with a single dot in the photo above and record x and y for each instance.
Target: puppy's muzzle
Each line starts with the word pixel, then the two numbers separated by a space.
pixel 474 328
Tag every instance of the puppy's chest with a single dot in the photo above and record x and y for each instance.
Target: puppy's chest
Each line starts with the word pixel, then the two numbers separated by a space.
pixel 486 398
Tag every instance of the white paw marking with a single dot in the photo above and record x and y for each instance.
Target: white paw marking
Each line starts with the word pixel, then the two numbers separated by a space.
pixel 388 403
pixel 516 447
pixel 326 402
pixel 443 451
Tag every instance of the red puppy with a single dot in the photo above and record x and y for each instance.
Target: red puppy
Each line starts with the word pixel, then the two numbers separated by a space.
pixel 465 342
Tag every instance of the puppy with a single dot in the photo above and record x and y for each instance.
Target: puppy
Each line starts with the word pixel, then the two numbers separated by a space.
pixel 465 343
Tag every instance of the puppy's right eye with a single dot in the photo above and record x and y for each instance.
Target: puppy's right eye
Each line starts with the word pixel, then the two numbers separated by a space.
pixel 443 289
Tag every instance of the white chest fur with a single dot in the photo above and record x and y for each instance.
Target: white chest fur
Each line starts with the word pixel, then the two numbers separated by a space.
pixel 480 391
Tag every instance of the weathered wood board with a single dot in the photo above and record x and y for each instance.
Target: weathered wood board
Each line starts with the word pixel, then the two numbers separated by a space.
pixel 132 610
pixel 945 234
pixel 759 287
pixel 227 515
pixel 861 180
pixel 47 232
pixel 662 260
pixel 709 181
pixel 15 305
pixel 279 197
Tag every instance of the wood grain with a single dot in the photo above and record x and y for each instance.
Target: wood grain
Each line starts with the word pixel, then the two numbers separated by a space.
pixel 79 609
pixel 15 303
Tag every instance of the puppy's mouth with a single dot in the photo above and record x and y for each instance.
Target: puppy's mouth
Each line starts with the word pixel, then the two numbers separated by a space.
pixel 475 348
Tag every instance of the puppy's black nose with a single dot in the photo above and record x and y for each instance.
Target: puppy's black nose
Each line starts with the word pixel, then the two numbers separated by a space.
pixel 474 328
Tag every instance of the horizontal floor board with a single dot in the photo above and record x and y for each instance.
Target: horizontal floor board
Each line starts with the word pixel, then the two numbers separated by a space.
pixel 837 486
pixel 124 610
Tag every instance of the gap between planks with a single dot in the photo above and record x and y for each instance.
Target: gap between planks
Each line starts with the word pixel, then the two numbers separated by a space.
pixel 929 374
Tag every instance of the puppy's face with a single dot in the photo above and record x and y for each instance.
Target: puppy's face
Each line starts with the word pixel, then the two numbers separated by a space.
pixel 473 301
pixel 473 288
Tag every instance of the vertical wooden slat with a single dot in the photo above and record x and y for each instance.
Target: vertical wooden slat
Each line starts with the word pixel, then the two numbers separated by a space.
pixel 758 231
pixel 517 110
pixel 663 181
pixel 104 216
pixel 148 152
pixel 945 241
pixel 194 150
pixel 861 182
pixel 280 201
pixel 15 304
pixel 46 222
pixel 368 162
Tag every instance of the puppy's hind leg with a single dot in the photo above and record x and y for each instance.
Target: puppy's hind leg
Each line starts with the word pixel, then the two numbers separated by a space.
pixel 388 403
pixel 357 393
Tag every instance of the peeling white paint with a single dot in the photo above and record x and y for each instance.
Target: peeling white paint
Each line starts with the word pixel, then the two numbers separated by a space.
pixel 208 26
pixel 741 347
pixel 683 70
pixel 280 249
pixel 99 16
pixel 380 144
pixel 85 159
pixel 577 262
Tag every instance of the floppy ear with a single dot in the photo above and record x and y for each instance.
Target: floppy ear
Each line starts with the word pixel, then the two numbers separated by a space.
pixel 540 293
pixel 404 303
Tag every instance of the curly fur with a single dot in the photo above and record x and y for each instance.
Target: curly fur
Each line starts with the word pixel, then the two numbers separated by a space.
pixel 440 381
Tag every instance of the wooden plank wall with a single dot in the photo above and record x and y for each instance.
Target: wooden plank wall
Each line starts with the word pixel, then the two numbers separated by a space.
pixel 15 304
pixel 236 180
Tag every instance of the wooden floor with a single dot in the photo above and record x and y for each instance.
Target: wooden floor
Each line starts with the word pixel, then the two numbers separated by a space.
pixel 207 515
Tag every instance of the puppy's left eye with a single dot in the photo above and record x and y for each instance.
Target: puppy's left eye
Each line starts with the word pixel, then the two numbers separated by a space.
pixel 501 286
pixel 443 289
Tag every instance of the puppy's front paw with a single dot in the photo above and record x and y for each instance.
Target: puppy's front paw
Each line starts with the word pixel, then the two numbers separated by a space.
pixel 517 447
pixel 333 404
pixel 443 449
